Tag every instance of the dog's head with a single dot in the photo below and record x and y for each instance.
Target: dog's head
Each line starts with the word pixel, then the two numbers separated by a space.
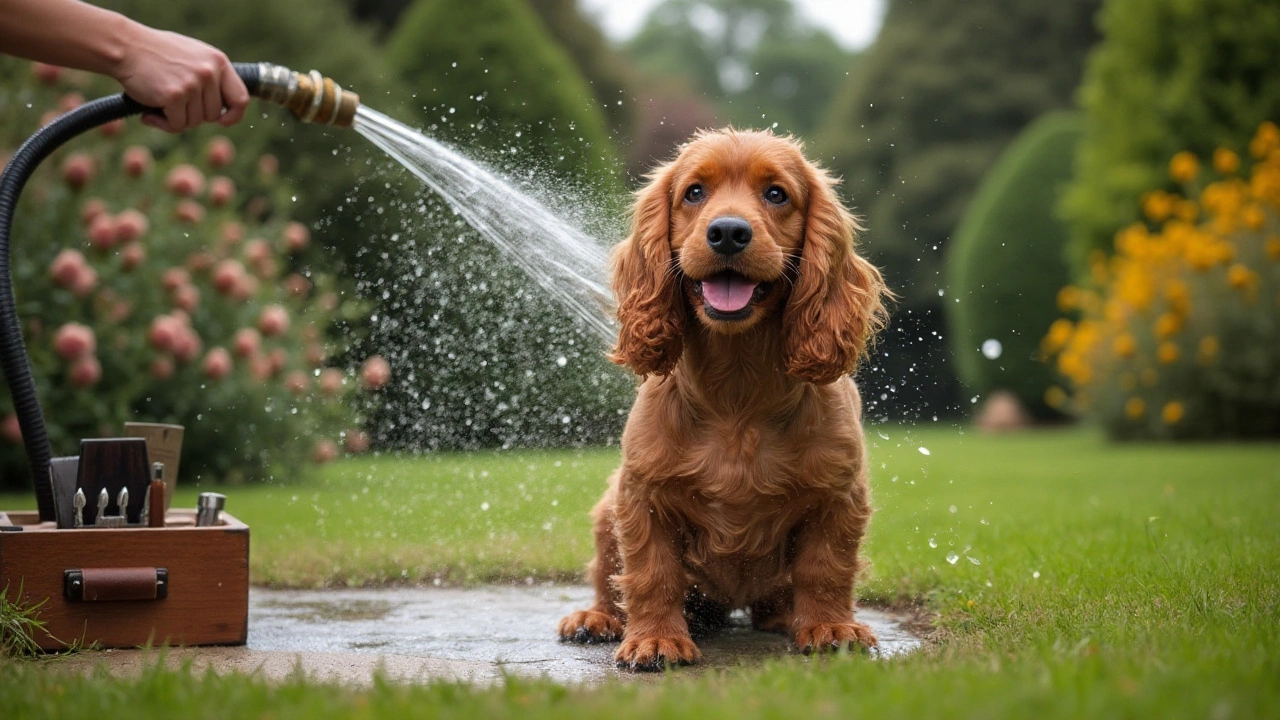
pixel 741 230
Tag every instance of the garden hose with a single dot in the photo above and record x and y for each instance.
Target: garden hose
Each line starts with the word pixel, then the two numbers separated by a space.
pixel 312 97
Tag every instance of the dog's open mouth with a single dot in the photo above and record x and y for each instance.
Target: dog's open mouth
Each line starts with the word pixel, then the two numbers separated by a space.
pixel 728 295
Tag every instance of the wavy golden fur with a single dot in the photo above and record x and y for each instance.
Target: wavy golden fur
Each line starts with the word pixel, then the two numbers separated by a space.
pixel 744 475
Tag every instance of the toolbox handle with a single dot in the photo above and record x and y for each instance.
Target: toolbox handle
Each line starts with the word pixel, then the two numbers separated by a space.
pixel 110 584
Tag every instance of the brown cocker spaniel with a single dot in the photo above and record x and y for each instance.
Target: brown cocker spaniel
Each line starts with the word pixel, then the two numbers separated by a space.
pixel 745 308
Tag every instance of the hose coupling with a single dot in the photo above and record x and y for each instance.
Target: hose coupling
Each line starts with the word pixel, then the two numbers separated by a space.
pixel 313 97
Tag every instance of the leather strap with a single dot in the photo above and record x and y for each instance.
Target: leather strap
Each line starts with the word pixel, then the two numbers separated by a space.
pixel 108 584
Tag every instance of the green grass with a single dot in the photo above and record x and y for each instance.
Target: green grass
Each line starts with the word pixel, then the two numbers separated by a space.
pixel 1111 581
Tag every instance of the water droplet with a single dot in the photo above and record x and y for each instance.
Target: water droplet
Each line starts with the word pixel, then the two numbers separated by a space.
pixel 974 560
pixel 952 558
pixel 952 509
pixel 933 542
pixel 484 506
pixel 562 361
pixel 992 349
pixel 923 450
pixel 1036 575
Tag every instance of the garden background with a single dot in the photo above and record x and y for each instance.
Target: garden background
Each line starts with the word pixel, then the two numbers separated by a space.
pixel 1077 203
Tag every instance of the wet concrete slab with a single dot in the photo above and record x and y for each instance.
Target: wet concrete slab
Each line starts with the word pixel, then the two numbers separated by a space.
pixel 473 634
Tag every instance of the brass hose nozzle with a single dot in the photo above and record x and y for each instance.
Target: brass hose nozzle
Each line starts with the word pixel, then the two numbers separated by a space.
pixel 312 97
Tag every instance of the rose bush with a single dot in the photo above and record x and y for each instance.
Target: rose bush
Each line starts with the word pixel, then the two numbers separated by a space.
pixel 1178 335
pixel 154 287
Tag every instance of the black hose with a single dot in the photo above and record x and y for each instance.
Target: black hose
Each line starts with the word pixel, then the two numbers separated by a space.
pixel 13 352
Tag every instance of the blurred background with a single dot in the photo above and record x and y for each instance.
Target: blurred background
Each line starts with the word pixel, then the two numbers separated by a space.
pixel 1077 203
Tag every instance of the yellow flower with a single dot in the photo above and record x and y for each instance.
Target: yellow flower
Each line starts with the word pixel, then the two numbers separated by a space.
pixel 1124 345
pixel 1173 412
pixel 1167 353
pixel 1178 296
pixel 1273 247
pixel 1058 337
pixel 1184 167
pixel 1265 140
pixel 1187 210
pixel 1055 397
pixel 1225 161
pixel 1253 216
pixel 1208 348
pixel 1168 325
pixel 1241 277
pixel 1158 205
pixel 1068 298
pixel 1135 408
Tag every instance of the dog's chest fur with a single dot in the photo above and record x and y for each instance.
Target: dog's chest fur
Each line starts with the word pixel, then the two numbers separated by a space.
pixel 740 485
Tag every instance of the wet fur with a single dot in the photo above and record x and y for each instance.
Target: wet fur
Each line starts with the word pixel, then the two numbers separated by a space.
pixel 744 475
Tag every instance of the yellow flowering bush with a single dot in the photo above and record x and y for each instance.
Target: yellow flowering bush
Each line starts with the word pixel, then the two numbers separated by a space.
pixel 1177 335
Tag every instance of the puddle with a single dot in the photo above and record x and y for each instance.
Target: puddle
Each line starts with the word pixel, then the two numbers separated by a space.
pixel 507 629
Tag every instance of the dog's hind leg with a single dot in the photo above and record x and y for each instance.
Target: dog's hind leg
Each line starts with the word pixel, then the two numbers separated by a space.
pixel 773 613
pixel 604 621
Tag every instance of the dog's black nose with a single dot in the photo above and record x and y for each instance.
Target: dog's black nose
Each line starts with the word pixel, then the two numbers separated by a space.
pixel 728 235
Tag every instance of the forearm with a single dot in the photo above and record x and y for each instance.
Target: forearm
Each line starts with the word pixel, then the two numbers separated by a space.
pixel 67 33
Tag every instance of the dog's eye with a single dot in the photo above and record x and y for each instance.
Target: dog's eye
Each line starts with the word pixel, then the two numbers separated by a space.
pixel 776 195
pixel 694 194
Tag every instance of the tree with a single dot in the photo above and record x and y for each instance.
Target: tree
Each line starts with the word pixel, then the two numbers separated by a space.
pixel 1169 76
pixel 490 78
pixel 1006 265
pixel 606 71
pixel 923 115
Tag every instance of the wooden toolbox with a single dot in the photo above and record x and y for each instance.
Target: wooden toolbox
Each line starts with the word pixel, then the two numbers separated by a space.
pixel 176 585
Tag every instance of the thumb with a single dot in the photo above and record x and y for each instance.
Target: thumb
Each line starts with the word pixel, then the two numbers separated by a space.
pixel 157 121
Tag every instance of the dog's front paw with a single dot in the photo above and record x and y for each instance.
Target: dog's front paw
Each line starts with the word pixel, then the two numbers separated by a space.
pixel 650 654
pixel 834 636
pixel 590 626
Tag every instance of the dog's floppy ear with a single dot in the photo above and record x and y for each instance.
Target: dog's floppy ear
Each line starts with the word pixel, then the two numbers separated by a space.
pixel 836 306
pixel 646 286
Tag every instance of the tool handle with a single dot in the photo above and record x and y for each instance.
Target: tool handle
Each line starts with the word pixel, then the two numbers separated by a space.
pixel 115 584
pixel 155 512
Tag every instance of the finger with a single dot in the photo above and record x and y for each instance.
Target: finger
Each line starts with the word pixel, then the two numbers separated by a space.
pixel 176 115
pixel 212 101
pixel 234 96
pixel 195 109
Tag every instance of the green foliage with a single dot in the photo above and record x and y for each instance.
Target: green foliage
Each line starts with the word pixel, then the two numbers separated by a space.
pixel 759 60
pixel 19 624
pixel 923 115
pixel 1005 265
pixel 136 278
pixel 1188 75
pixel 492 79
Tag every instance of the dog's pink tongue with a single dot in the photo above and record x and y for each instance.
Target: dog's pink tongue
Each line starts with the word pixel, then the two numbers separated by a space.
pixel 728 291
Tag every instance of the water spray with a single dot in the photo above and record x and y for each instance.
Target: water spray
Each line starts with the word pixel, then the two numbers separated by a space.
pixel 312 97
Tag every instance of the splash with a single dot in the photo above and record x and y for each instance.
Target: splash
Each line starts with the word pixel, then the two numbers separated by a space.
pixel 568 264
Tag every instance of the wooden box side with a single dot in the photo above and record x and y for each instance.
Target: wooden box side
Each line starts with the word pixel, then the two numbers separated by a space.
pixel 208 594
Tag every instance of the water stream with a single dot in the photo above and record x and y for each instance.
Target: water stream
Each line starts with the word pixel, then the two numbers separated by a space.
pixel 571 266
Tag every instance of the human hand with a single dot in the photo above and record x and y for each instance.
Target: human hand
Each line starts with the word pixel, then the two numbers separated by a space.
pixel 191 82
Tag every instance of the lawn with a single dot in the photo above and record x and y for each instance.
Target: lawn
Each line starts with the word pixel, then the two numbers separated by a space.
pixel 1065 577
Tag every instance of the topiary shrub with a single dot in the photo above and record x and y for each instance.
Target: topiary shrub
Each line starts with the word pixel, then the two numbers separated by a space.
pixel 1168 76
pixel 1006 264
pixel 1178 335
pixel 491 79
pixel 160 278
